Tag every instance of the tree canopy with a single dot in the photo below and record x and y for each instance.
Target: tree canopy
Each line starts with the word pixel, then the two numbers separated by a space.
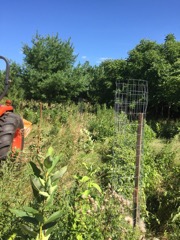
pixel 49 54
pixel 50 73
pixel 159 65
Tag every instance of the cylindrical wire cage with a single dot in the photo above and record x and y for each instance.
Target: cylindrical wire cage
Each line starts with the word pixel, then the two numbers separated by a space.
pixel 131 97
pixel 131 100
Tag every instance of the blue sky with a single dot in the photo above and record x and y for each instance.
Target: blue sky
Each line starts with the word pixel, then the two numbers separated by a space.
pixel 99 29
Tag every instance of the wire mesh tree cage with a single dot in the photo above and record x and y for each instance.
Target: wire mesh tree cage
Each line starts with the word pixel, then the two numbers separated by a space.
pixel 131 99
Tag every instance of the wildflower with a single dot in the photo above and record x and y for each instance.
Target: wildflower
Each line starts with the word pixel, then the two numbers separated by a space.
pixel 129 220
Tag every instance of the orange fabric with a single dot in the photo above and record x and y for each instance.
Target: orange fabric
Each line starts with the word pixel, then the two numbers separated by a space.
pixel 27 127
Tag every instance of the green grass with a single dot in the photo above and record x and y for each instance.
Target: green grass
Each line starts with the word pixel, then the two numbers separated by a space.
pixel 85 143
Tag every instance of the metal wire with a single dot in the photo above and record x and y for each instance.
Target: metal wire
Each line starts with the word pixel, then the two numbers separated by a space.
pixel 131 100
pixel 131 97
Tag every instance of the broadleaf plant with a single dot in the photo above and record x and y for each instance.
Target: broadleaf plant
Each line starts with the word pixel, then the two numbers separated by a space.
pixel 39 221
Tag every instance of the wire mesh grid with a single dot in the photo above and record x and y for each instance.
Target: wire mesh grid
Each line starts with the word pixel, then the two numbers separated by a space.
pixel 131 98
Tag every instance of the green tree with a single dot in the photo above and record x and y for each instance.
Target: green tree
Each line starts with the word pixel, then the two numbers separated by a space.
pixel 172 89
pixel 81 77
pixel 49 74
pixel 15 91
pixel 171 48
pixel 49 54
pixel 157 63
pixel 105 76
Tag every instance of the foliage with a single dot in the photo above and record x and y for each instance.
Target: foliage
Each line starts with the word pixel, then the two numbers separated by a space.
pixel 104 78
pixel 157 63
pixel 165 128
pixel 49 54
pixel 15 91
pixel 97 201
pixel 93 214
pixel 38 220
pixel 48 72
pixel 43 59
pixel 102 123
pixel 94 198
pixel 14 192
pixel 163 199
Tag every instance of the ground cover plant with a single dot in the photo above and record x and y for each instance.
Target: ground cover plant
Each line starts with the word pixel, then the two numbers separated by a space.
pixel 87 203
pixel 76 118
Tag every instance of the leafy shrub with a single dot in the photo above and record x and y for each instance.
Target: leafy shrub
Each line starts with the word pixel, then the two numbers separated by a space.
pixel 38 220
pixel 31 115
pixel 88 136
pixel 102 124
pixel 166 129
pixel 85 141
pixel 162 197
pixel 13 193
pixel 93 214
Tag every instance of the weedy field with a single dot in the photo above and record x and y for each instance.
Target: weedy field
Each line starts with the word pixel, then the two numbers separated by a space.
pixel 68 183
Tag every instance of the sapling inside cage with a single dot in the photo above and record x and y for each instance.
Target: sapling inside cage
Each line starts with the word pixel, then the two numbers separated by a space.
pixel 131 100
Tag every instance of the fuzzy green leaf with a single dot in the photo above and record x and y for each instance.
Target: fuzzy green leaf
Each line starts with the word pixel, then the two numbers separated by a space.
pixel 28 231
pixel 54 163
pixel 59 174
pixel 39 217
pixel 48 162
pixel 96 186
pixel 19 213
pixel 35 169
pixel 52 189
pixel 49 225
pixel 54 217
pixel 45 194
pixel 35 183
pixel 42 182
pixel 49 202
pixel 85 194
pixel 30 220
pixel 50 151
pixel 84 179
pixel 49 230
pixel 49 182
pixel 30 210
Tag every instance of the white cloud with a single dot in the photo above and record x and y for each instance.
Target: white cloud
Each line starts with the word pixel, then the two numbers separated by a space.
pixel 102 59
pixel 84 57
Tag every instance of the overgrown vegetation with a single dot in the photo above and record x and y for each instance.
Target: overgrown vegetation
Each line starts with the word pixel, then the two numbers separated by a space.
pixel 90 203
pixel 49 74
pixel 71 108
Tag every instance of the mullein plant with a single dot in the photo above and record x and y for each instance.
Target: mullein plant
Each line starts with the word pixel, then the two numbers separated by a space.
pixel 39 221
